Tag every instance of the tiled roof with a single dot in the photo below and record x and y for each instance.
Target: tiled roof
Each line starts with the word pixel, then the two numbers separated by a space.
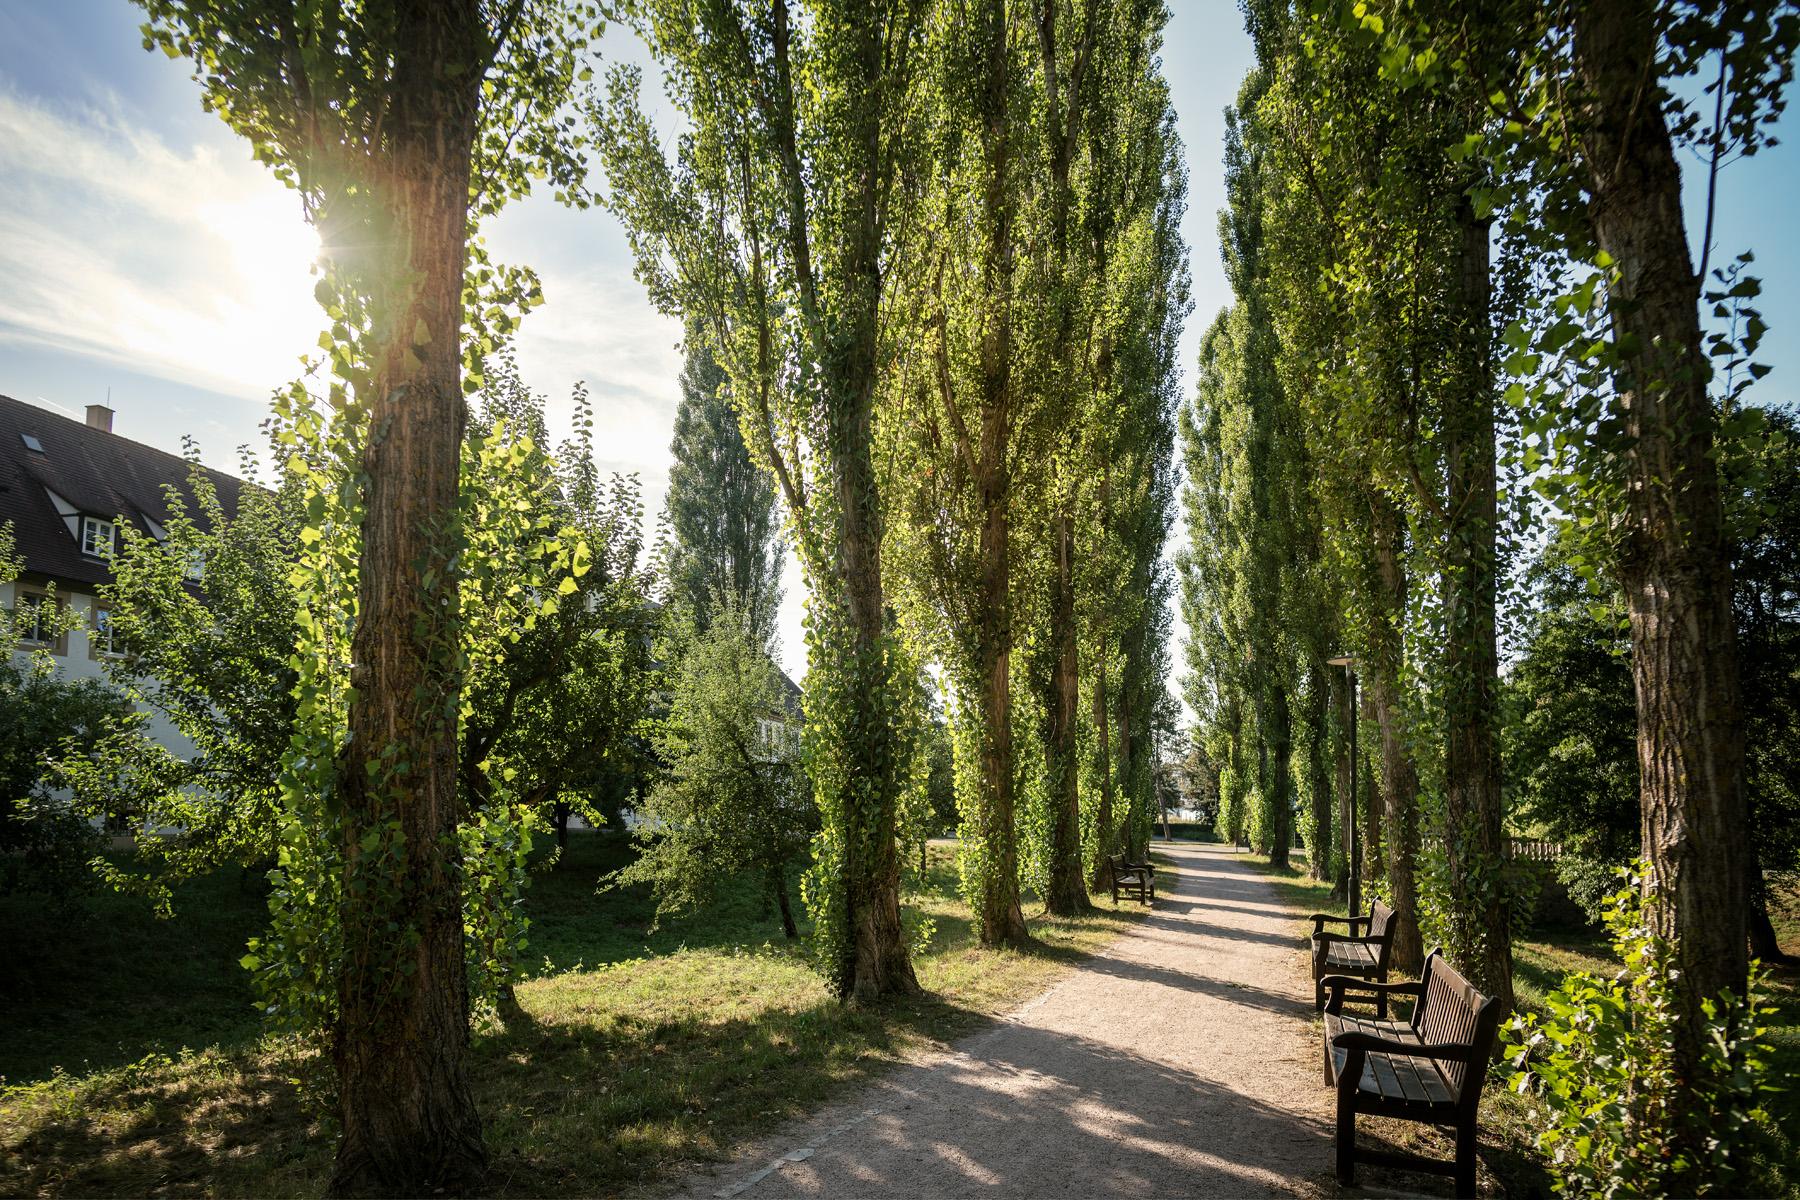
pixel 99 473
pixel 790 693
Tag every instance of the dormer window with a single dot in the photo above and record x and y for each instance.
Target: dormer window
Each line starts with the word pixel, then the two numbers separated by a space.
pixel 96 537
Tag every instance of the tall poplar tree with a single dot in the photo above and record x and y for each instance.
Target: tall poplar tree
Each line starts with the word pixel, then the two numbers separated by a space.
pixel 776 225
pixel 1583 129
pixel 399 124
pixel 721 505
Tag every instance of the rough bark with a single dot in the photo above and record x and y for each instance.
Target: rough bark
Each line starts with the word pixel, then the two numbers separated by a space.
pixel 409 1122
pixel 1480 911
pixel 1674 563
pixel 1399 776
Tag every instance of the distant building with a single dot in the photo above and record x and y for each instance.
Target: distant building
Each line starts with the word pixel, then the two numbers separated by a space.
pixel 65 488
pixel 778 732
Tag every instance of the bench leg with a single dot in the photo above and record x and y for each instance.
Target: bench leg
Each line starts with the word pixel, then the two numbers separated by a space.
pixel 1346 1141
pixel 1465 1159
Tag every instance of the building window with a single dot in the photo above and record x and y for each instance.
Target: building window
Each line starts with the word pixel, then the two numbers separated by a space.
pixel 104 641
pixel 36 623
pixel 96 537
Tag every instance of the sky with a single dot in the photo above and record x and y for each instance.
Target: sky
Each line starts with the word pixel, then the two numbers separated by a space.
pixel 148 263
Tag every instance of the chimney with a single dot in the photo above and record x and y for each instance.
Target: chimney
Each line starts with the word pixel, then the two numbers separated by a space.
pixel 99 417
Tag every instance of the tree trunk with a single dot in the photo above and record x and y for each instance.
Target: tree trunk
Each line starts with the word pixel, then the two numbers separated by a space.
pixel 1067 893
pixel 858 660
pixel 999 915
pixel 878 961
pixel 1480 909
pixel 1318 779
pixel 1346 781
pixel 1281 775
pixel 1399 777
pixel 1105 841
pixel 778 884
pixel 1674 564
pixel 409 1122
pixel 1128 764
pixel 1001 919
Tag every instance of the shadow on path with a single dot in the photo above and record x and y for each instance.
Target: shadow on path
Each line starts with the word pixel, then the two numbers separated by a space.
pixel 1179 1062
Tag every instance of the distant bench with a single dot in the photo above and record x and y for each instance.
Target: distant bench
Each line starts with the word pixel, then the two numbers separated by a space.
pixel 1136 880
pixel 1429 1068
pixel 1364 956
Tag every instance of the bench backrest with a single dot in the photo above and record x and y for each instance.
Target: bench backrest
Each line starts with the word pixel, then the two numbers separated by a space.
pixel 1452 1011
pixel 1381 926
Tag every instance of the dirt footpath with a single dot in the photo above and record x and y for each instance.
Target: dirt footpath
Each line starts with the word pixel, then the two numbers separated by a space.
pixel 1179 1062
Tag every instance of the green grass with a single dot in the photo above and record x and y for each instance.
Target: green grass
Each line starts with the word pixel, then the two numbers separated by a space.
pixel 634 1049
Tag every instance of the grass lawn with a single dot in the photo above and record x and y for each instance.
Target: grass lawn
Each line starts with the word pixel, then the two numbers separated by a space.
pixel 634 1049
pixel 1541 958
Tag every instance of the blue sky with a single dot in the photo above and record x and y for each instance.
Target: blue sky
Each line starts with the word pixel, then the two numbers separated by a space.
pixel 144 257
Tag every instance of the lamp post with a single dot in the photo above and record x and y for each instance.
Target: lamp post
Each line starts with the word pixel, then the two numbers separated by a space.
pixel 1352 850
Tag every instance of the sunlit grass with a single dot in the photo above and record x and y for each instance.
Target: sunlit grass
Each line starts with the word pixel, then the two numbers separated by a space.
pixel 636 1048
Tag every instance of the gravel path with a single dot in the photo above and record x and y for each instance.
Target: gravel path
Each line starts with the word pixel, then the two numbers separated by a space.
pixel 1178 1062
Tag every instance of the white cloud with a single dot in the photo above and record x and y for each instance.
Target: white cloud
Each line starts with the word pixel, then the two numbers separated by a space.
pixel 183 262
pixel 188 262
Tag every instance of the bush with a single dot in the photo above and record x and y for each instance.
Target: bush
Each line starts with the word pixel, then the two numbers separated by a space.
pixel 1599 1068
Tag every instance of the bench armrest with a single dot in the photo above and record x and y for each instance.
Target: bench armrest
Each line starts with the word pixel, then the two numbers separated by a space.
pixel 1337 985
pixel 1359 1044
pixel 1351 939
pixel 1319 921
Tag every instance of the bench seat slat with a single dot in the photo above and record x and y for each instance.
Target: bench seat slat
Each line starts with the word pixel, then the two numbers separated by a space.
pixel 1349 958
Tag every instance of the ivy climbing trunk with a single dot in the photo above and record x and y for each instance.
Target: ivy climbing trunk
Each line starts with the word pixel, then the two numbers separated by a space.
pixel 409 1122
pixel 877 962
pixel 1480 913
pixel 1399 775
pixel 1674 563
pixel 840 304
pixel 1001 919
pixel 1067 893
pixel 1280 802
pixel 1346 781
pixel 1105 842
pixel 1318 777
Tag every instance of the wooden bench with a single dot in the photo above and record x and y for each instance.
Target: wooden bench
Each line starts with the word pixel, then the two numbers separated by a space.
pixel 1364 956
pixel 1136 880
pixel 1429 1068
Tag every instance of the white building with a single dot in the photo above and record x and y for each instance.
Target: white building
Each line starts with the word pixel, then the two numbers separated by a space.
pixel 65 487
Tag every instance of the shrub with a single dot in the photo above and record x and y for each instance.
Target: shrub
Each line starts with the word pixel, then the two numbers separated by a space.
pixel 1609 1106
